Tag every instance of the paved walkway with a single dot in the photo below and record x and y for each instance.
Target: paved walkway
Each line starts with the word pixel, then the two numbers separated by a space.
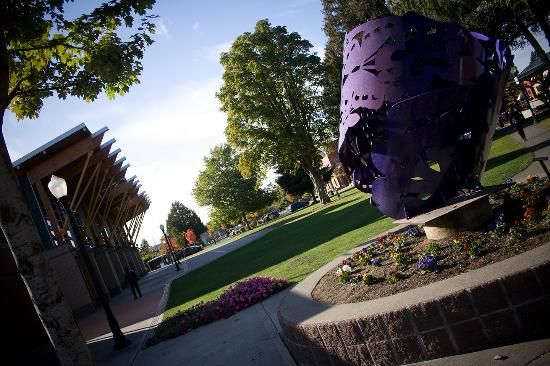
pixel 250 337
pixel 535 353
pixel 538 142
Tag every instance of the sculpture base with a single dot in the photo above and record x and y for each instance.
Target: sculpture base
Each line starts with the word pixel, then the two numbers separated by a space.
pixel 449 220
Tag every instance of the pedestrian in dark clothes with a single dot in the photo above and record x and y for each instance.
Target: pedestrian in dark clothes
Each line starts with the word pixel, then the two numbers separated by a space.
pixel 517 120
pixel 132 280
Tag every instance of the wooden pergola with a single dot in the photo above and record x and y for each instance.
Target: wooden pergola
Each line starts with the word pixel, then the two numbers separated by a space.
pixel 108 206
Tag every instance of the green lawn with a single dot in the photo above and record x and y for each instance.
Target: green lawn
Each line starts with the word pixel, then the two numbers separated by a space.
pixel 304 241
pixel 506 159
pixel 291 251
pixel 545 123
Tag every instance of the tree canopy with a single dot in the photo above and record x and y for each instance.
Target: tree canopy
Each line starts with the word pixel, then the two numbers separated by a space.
pixel 164 249
pixel 43 53
pixel 271 93
pixel 294 184
pixel 221 186
pixel 508 20
pixel 190 236
pixel 48 54
pixel 180 218
pixel 146 252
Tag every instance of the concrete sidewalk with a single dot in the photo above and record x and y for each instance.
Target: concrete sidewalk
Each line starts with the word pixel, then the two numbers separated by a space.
pixel 538 142
pixel 534 353
pixel 250 337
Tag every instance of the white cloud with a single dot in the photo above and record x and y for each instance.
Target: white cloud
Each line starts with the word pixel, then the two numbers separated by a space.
pixel 213 52
pixel 319 49
pixel 165 143
pixel 196 26
pixel 161 30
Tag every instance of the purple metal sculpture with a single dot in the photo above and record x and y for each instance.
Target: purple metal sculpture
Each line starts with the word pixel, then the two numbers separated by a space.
pixel 420 101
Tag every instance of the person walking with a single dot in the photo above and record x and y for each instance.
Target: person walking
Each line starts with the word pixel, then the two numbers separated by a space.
pixel 517 120
pixel 132 280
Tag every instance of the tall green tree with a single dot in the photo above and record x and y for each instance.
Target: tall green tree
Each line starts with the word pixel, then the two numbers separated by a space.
pixel 294 183
pixel 221 186
pixel 339 17
pixel 509 20
pixel 180 218
pixel 146 252
pixel 299 183
pixel 224 217
pixel 271 93
pixel 42 54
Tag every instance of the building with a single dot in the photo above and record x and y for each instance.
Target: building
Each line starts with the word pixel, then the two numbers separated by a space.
pixel 339 179
pixel 536 82
pixel 109 209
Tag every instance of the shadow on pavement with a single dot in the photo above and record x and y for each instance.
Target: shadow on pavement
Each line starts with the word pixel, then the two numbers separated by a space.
pixel 104 354
pixel 130 312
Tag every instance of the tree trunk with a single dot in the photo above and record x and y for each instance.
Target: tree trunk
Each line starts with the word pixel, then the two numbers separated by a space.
pixel 315 176
pixel 334 189
pixel 245 221
pixel 313 196
pixel 30 259
pixel 534 43
pixel 33 265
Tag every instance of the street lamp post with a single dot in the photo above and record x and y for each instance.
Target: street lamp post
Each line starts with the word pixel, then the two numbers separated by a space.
pixel 58 187
pixel 170 248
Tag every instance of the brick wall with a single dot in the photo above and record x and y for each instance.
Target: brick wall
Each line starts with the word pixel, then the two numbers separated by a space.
pixel 70 279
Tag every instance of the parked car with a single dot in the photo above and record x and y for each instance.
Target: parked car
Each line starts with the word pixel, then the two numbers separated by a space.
pixel 155 263
pixel 285 212
pixel 295 206
pixel 268 216
pixel 190 249
pixel 236 230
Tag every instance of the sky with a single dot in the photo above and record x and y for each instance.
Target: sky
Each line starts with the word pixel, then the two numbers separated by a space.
pixel 167 124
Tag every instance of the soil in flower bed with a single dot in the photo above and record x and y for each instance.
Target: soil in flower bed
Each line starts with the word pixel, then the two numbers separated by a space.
pixel 406 260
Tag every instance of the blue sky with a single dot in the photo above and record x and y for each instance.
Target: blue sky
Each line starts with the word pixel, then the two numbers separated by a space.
pixel 166 124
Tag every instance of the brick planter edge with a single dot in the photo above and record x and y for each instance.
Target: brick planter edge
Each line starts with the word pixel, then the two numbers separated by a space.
pixel 501 303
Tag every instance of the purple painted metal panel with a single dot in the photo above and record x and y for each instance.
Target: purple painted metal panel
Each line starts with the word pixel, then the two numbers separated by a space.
pixel 420 100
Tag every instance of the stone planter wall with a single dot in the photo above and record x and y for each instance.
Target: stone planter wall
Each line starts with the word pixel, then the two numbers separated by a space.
pixel 502 303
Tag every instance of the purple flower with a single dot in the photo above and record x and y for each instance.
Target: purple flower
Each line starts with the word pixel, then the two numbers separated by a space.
pixel 413 231
pixel 375 261
pixel 427 263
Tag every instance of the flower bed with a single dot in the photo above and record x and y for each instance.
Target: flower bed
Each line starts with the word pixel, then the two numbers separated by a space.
pixel 238 297
pixel 402 261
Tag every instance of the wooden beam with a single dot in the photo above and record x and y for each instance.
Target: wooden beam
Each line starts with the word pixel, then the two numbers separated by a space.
pixel 121 208
pixel 108 206
pixel 95 198
pixel 94 174
pixel 73 170
pixel 138 227
pixel 64 158
pixel 75 194
pixel 97 205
